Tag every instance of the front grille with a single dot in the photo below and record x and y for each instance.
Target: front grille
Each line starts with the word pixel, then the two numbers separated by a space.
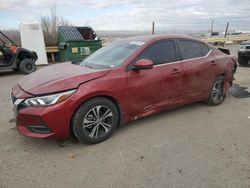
pixel 21 106
pixel 13 98
pixel 17 104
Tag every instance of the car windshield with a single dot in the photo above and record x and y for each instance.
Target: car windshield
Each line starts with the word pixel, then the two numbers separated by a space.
pixel 112 55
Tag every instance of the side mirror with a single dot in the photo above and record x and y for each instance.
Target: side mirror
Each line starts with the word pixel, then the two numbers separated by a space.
pixel 143 64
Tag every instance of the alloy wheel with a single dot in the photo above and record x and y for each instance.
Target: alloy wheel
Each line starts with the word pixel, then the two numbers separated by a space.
pixel 98 121
pixel 217 93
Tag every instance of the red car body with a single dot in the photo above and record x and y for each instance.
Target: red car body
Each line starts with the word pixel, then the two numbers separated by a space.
pixel 137 93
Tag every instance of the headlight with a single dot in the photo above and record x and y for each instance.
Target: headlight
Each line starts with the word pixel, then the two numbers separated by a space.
pixel 48 99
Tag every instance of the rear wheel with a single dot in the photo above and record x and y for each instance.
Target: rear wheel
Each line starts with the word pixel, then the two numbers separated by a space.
pixel 27 66
pixel 216 95
pixel 95 120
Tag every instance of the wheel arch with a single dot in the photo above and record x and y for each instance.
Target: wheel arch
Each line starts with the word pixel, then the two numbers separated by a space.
pixel 25 54
pixel 111 98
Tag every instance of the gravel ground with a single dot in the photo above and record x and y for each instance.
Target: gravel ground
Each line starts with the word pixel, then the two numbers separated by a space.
pixel 191 146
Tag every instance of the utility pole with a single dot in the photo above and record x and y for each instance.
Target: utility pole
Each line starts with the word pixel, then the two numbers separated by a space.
pixel 225 36
pixel 212 27
pixel 153 28
pixel 226 30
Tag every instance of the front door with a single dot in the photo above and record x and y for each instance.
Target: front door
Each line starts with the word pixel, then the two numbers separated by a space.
pixel 153 89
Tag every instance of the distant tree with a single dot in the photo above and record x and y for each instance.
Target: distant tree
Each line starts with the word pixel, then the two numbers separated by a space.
pixel 14 35
pixel 50 26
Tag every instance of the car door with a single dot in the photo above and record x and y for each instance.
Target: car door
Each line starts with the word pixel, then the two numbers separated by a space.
pixel 160 86
pixel 197 67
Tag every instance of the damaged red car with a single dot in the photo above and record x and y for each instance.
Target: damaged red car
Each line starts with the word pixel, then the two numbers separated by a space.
pixel 124 81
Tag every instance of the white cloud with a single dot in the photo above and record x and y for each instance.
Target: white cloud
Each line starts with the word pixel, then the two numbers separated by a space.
pixel 136 15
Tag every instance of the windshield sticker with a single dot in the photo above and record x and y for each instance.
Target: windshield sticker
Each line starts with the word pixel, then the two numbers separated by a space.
pixel 139 43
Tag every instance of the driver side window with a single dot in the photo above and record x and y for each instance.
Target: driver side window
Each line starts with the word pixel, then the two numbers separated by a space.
pixel 160 52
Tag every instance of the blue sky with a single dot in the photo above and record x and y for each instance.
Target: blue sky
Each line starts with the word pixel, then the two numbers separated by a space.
pixel 131 14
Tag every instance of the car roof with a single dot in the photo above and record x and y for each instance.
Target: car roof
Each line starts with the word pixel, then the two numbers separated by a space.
pixel 147 38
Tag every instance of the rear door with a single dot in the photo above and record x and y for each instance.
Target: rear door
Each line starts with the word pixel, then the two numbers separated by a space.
pixel 197 65
pixel 159 86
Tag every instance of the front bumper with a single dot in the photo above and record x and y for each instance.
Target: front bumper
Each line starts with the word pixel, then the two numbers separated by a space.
pixel 42 122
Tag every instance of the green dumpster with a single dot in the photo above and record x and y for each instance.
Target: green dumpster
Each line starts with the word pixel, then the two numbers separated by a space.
pixel 76 43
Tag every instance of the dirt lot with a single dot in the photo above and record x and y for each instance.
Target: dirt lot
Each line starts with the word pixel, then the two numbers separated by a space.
pixel 192 146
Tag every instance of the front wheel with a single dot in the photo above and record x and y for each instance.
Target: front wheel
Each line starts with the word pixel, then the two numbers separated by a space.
pixel 216 95
pixel 95 120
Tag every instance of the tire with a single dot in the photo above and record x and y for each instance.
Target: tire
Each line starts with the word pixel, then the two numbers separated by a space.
pixel 27 66
pixel 216 95
pixel 89 124
pixel 243 60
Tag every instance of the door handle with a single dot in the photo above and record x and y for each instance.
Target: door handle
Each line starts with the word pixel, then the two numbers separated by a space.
pixel 176 71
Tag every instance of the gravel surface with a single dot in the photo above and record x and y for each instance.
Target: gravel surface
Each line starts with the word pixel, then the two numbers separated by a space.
pixel 191 146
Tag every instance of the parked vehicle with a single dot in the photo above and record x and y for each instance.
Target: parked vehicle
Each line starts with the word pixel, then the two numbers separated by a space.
pixel 124 81
pixel 16 58
pixel 244 53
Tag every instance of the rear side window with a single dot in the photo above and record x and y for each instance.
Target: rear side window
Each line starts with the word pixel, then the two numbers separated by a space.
pixel 160 52
pixel 190 49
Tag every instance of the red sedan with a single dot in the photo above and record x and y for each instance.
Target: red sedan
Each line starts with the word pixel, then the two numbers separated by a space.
pixel 123 81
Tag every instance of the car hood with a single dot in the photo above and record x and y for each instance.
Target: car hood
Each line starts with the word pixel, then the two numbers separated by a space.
pixel 59 77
